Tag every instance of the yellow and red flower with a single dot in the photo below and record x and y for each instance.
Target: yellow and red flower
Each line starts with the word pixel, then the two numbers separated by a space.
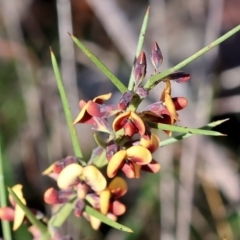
pixel 130 161
pixel 94 112
pixel 107 202
pixel 130 122
pixel 88 110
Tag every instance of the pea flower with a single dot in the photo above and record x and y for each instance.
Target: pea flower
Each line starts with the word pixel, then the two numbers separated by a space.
pixel 94 112
pixel 129 161
pixel 130 122
pixel 107 202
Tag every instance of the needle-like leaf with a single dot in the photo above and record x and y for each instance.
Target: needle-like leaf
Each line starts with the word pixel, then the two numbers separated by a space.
pixel 186 135
pixel 66 107
pixel 100 65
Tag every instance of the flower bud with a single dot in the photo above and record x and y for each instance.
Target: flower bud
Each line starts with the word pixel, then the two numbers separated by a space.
pixel 125 100
pixel 156 56
pixel 7 213
pixel 140 68
pixel 51 196
pixel 142 92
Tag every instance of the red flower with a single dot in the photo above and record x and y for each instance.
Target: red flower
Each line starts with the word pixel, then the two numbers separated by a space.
pixel 130 122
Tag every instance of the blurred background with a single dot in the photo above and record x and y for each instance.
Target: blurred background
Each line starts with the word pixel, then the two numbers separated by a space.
pixel 197 193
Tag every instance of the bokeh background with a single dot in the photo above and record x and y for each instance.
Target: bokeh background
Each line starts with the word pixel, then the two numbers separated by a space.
pixel 197 193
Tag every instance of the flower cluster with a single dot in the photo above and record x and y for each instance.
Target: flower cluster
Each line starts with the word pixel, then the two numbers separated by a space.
pixel 128 147
pixel 130 142
pixel 83 184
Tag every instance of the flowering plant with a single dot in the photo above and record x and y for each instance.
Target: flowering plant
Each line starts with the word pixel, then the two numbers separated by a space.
pixel 128 147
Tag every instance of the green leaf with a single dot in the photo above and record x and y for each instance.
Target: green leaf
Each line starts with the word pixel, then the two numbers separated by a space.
pixel 61 215
pixel 106 220
pixel 186 135
pixel 175 128
pixel 65 210
pixel 3 199
pixel 139 46
pixel 42 228
pixel 100 65
pixel 67 111
pixel 155 79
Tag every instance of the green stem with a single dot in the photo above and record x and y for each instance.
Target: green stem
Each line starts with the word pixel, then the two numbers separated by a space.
pixel 139 46
pixel 67 111
pixel 154 80
pixel 3 199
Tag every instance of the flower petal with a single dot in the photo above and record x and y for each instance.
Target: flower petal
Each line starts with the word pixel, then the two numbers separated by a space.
pixel 82 190
pixel 112 217
pixel 138 122
pixel 118 187
pixel 81 104
pixel 139 155
pixel 137 170
pixel 105 196
pixel 7 213
pixel 151 144
pixel 171 108
pixel 69 176
pixel 118 208
pixel 129 170
pixel 152 167
pixel 130 122
pixel 18 191
pixel 19 215
pixel 100 99
pixel 118 121
pixel 129 128
pixel 94 109
pixel 180 102
pixel 83 116
pixel 95 222
pixel 116 163
pixel 51 196
pixel 94 178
